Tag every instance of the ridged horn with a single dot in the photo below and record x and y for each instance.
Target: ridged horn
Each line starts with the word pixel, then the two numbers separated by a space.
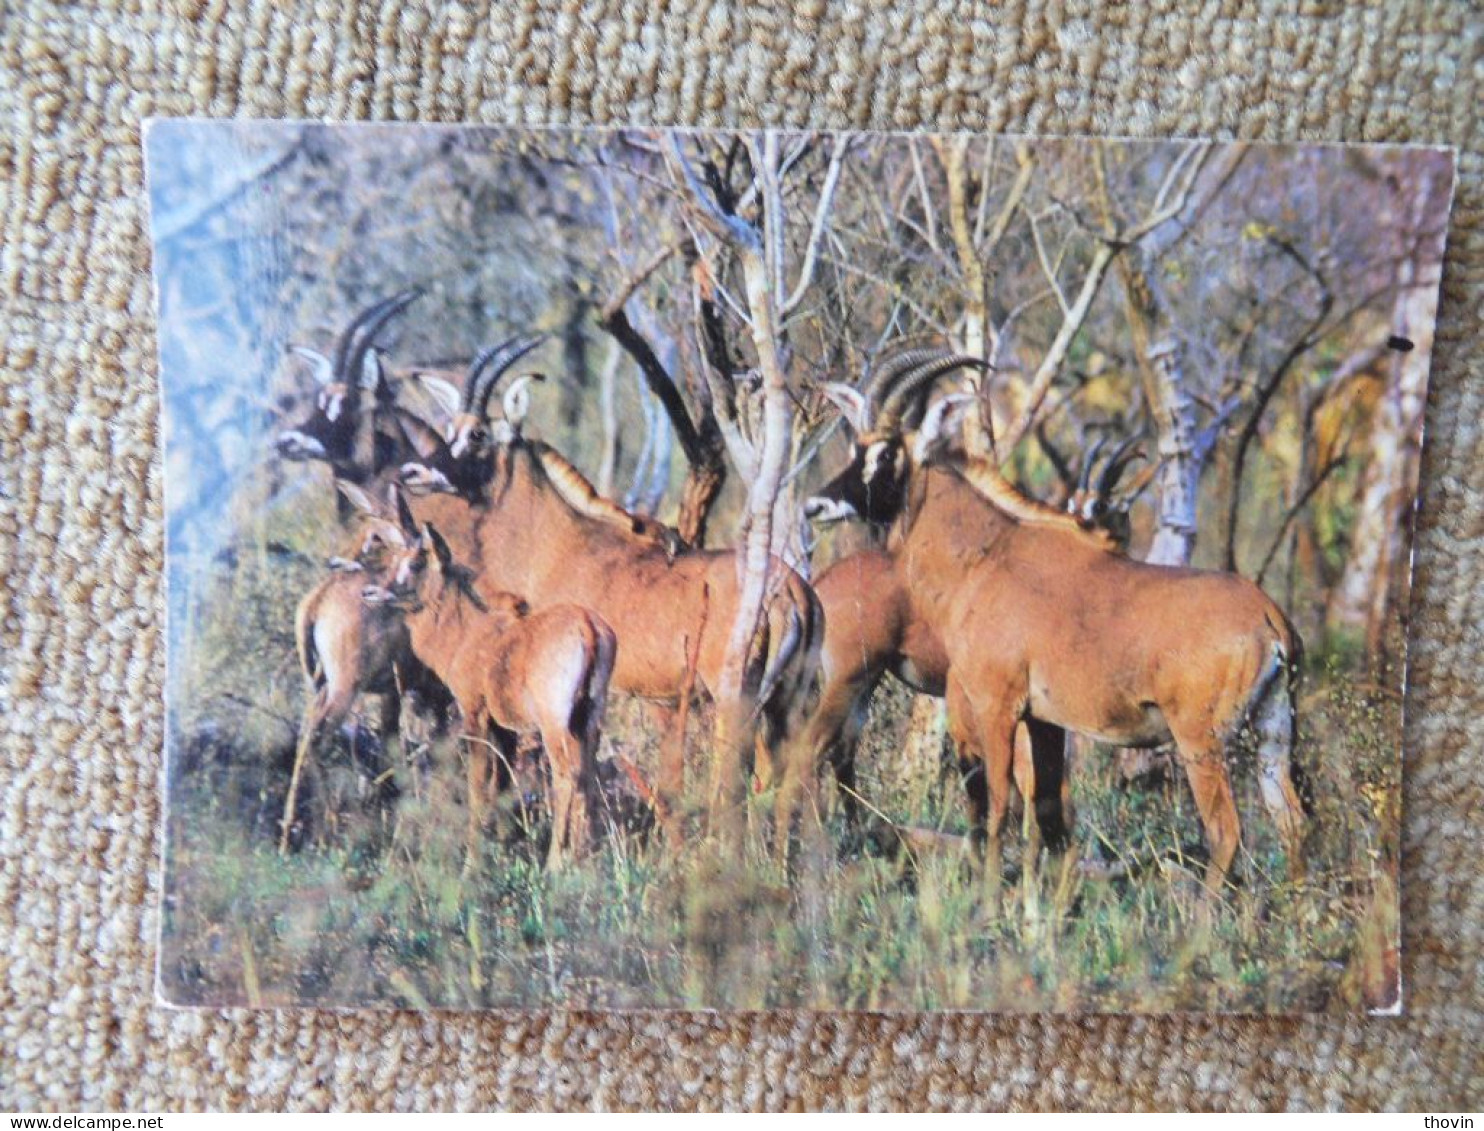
pixel 370 326
pixel 1122 456
pixel 916 382
pixel 498 367
pixel 476 368
pixel 1085 476
pixel 893 368
pixel 348 336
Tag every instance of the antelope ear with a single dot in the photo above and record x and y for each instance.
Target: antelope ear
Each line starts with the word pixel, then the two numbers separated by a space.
pixel 850 402
pixel 517 400
pixel 319 365
pixel 372 377
pixel 358 498
pixel 444 393
pixel 432 538
pixel 404 514
pixel 943 420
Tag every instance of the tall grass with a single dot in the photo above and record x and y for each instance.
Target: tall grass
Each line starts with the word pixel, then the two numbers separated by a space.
pixel 371 908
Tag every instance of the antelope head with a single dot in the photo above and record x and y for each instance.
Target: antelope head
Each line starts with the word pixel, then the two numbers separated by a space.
pixel 422 573
pixel 346 380
pixel 384 530
pixel 873 485
pixel 1096 502
pixel 460 461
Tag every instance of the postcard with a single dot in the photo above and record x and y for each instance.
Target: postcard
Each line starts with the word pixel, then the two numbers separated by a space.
pixel 668 569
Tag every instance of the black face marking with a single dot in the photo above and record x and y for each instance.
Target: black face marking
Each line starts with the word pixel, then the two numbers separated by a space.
pixel 328 433
pixel 873 483
pixel 1399 343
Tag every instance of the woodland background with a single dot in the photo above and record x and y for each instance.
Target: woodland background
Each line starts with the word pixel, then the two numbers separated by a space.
pixel 1227 306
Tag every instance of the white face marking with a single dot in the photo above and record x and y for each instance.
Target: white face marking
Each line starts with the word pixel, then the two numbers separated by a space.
pixel 403 579
pixel 420 479
pixel 461 434
pixel 873 459
pixel 296 445
pixel 825 511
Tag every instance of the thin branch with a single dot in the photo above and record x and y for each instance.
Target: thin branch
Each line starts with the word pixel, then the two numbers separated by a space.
pixel 930 223
pixel 1301 345
pixel 1170 209
pixel 638 279
pixel 1046 268
pixel 1027 163
pixel 1294 511
pixel 895 290
pixel 816 231
pixel 1051 364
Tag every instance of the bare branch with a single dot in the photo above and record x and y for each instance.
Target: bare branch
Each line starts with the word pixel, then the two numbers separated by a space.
pixel 1301 345
pixel 1294 511
pixel 821 217
pixel 1051 364
pixel 637 280
pixel 929 222
pixel 724 224
pixel 1027 163
pixel 1046 267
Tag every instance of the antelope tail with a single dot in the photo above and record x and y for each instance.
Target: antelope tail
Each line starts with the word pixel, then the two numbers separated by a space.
pixel 304 643
pixel 594 702
pixel 788 648
pixel 1293 659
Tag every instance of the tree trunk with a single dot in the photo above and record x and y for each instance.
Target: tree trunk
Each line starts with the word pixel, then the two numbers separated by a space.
pixel 1360 602
pixel 976 291
pixel 922 745
pixel 608 399
pixel 1161 362
pixel 734 705
pixel 1161 368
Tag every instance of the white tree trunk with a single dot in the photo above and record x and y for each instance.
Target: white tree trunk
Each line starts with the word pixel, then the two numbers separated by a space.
pixel 608 394
pixel 1388 486
pixel 1177 482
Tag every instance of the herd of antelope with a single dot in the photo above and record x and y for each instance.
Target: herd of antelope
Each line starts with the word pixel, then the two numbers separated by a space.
pixel 485 577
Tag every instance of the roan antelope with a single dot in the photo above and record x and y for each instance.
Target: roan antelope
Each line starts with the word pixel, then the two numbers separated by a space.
pixel 461 460
pixel 512 672
pixel 359 424
pixel 348 650
pixel 1045 623
pixel 871 629
pixel 539 529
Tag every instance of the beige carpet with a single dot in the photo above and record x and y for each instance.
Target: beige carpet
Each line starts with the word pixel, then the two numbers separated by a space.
pixel 80 531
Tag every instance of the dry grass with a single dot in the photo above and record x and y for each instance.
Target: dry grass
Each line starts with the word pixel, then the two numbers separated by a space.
pixel 370 909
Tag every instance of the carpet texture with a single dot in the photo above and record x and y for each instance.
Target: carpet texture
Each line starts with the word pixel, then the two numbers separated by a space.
pixel 82 660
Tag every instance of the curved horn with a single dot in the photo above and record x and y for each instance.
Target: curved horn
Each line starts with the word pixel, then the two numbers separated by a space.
pixel 381 314
pixel 918 381
pixel 1084 477
pixel 1122 456
pixel 348 335
pixel 320 366
pixel 497 370
pixel 879 385
pixel 472 391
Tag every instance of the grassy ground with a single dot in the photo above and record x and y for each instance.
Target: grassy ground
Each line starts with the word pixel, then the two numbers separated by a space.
pixel 370 910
